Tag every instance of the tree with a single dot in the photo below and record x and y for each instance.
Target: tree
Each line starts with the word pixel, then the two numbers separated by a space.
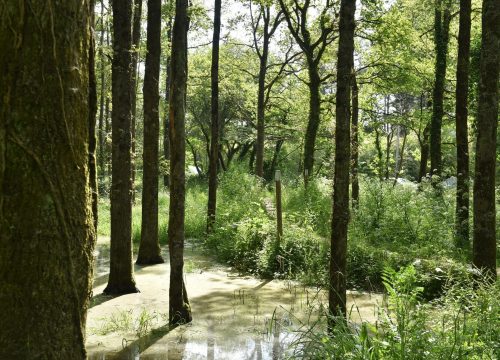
pixel 442 18
pixel 179 309
pixel 136 41
pixel 149 250
pixel 269 26
pixel 166 141
pixel 484 242
pixel 296 16
pixel 340 215
pixel 46 227
pixel 462 138
pixel 355 143
pixel 214 126
pixel 121 279
pixel 92 121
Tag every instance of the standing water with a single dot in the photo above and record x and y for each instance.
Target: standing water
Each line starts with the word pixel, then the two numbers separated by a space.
pixel 234 317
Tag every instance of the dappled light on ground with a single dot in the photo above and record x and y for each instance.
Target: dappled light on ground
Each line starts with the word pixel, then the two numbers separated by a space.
pixel 235 317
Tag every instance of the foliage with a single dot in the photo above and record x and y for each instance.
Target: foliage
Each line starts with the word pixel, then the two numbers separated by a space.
pixel 463 324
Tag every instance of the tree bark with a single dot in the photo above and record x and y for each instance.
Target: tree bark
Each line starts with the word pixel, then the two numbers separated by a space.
pixel 340 215
pixel 259 158
pixel 121 279
pixel 149 249
pixel 47 235
pixel 166 141
pixel 441 36
pixel 484 242
pixel 136 41
pixel 380 162
pixel 313 120
pixel 101 137
pixel 179 309
pixel 355 143
pixel 462 137
pixel 92 119
pixel 214 129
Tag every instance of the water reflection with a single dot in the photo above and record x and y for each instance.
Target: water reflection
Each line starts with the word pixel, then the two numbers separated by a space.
pixel 235 317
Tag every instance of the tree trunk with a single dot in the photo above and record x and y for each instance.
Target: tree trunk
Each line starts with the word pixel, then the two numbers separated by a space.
pixel 92 120
pixel 101 137
pixel 313 121
pixel 441 36
pixel 179 309
pixel 340 215
pixel 380 161
pixel 399 159
pixel 355 143
pixel 136 40
pixel 149 249
pixel 259 160
pixel 462 138
pixel 108 147
pixel 214 133
pixel 166 141
pixel 388 144
pixel 274 161
pixel 121 279
pixel 46 228
pixel 484 243
pixel 424 153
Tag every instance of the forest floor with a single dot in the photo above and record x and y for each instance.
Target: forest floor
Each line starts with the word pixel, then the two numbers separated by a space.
pixel 234 316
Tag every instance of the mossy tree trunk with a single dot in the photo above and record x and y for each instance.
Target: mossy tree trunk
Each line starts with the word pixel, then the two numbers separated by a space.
pixel 442 18
pixel 484 243
pixel 462 138
pixel 121 279
pixel 179 309
pixel 149 249
pixel 46 228
pixel 340 215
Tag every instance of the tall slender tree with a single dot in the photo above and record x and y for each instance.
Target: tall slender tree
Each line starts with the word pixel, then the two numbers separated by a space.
pixel 354 142
pixel 484 243
pixel 214 126
pixel 121 278
pixel 92 119
pixel 136 42
pixel 149 249
pixel 179 309
pixel 462 138
pixel 298 18
pixel 442 18
pixel 340 215
pixel 166 141
pixel 46 227
pixel 101 134
pixel 268 28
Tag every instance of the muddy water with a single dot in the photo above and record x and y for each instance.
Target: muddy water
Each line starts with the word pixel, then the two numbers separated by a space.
pixel 235 317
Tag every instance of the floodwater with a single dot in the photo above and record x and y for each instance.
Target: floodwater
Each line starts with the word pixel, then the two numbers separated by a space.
pixel 234 317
